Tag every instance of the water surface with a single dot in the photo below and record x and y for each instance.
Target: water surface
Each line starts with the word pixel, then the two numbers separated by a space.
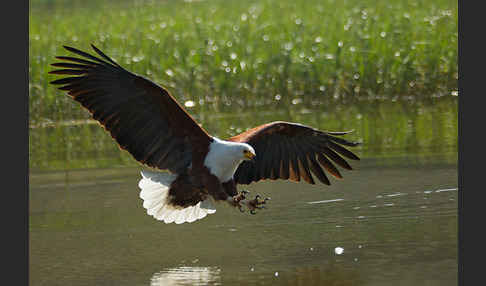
pixel 392 222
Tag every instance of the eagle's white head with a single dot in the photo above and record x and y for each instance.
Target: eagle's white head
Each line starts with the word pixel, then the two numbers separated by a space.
pixel 247 151
pixel 224 157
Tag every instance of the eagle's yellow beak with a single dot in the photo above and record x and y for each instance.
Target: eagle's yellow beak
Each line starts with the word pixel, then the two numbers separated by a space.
pixel 250 155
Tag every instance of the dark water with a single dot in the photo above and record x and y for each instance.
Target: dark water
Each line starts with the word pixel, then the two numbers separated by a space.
pixel 395 223
pixel 391 221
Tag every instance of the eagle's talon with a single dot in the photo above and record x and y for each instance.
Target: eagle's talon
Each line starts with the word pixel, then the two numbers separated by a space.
pixel 256 204
pixel 241 196
pixel 252 206
pixel 240 207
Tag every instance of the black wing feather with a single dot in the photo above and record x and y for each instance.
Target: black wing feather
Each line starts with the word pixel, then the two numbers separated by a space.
pixel 297 151
pixel 141 116
pixel 317 170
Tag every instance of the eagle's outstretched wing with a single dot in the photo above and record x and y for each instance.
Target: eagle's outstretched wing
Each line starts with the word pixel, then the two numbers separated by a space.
pixel 141 116
pixel 292 151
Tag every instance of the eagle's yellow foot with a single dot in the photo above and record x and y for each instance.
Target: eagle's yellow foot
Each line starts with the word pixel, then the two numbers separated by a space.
pixel 256 203
pixel 241 196
pixel 236 200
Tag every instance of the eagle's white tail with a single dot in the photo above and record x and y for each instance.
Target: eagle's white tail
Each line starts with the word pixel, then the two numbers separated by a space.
pixel 154 193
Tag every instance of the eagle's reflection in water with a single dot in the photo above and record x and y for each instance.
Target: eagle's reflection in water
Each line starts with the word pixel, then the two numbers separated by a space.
pixel 186 275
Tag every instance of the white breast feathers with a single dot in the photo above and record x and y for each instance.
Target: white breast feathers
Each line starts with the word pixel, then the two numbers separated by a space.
pixel 224 157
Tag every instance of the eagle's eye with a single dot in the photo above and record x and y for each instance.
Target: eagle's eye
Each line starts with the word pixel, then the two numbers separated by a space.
pixel 248 154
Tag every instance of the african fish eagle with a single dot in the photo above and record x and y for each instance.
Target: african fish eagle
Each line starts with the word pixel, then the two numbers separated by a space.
pixel 195 167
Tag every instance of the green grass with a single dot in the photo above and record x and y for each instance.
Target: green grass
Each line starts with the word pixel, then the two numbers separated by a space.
pixel 248 54
pixel 387 69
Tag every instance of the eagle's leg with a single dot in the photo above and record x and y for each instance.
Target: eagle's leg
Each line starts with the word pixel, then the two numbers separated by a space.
pixel 256 203
pixel 241 196
pixel 234 197
pixel 237 199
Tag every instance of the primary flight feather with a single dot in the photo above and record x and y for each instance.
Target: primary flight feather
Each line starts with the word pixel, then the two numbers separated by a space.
pixel 145 120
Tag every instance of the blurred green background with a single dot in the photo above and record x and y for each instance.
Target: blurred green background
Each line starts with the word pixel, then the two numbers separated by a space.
pixel 387 69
